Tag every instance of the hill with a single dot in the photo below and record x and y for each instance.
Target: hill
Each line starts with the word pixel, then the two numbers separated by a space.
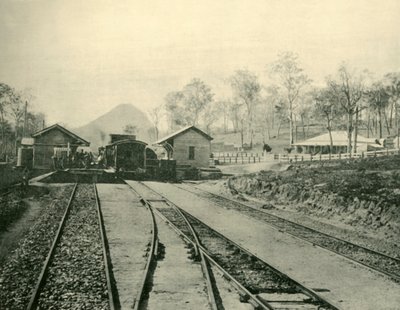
pixel 114 121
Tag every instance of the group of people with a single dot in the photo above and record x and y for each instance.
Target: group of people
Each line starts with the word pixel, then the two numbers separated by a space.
pixel 80 159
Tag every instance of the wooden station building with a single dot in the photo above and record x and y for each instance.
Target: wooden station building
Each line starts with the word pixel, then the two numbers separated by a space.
pixel 188 146
pixel 48 142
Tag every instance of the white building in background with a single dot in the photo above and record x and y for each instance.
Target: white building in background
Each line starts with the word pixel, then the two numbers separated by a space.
pixel 321 144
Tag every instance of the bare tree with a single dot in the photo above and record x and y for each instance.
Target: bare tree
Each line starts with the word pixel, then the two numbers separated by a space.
pixel 348 88
pixel 174 110
pixel 235 112
pixel 265 111
pixel 293 80
pixel 155 115
pixel 392 83
pixel 17 109
pixel 223 106
pixel 5 101
pixel 326 108
pixel 210 116
pixel 378 99
pixel 246 89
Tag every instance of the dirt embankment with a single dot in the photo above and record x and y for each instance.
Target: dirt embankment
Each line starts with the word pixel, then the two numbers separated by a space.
pixel 356 197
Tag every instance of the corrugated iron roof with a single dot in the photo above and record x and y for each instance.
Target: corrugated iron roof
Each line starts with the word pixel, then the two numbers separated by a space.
pixel 183 130
pixel 339 138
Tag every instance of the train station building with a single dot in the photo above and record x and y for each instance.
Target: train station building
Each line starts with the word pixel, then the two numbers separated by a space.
pixel 188 146
pixel 48 142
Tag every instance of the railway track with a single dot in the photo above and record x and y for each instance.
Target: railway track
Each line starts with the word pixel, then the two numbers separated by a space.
pixel 152 257
pixel 385 264
pixel 257 282
pixel 76 272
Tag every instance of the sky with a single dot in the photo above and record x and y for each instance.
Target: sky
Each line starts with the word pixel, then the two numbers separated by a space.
pixel 80 59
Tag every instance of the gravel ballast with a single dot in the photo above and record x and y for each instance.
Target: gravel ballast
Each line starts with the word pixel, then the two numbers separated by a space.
pixel 19 273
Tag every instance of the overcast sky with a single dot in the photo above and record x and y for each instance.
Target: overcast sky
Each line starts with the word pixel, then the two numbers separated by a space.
pixel 82 58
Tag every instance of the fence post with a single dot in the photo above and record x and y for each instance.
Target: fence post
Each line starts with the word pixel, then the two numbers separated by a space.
pixel 259 160
pixel 230 159
pixel 362 154
pixel 340 155
pixel 242 159
pixel 310 157
pixel 320 157
pixel 387 151
pixel 254 159
pixel 236 159
pixel 249 159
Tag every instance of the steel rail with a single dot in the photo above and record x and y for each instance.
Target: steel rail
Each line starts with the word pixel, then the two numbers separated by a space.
pixel 106 256
pixel 39 284
pixel 152 252
pixel 308 229
pixel 253 300
pixel 205 269
pixel 302 288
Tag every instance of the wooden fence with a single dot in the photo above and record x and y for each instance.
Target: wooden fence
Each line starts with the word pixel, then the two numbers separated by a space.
pixel 249 158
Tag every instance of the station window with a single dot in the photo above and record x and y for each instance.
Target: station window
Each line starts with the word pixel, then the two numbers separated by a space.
pixel 191 152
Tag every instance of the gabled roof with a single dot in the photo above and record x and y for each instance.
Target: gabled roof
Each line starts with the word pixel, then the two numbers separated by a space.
pixel 183 130
pixel 339 138
pixel 64 130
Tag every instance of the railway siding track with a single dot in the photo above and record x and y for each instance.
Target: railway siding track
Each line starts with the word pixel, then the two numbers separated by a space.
pixel 74 275
pixel 254 278
pixel 20 271
pixel 154 250
pixel 380 262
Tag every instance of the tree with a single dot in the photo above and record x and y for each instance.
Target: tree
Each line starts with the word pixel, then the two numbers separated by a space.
pixel 155 116
pixel 235 112
pixel 223 107
pixel 246 90
pixel 174 110
pixel 17 108
pixel 292 80
pixel 34 122
pixel 304 110
pixel 5 94
pixel 392 83
pixel 185 107
pixel 348 89
pixel 326 108
pixel 196 96
pixel 265 111
pixel 210 115
pixel 378 98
